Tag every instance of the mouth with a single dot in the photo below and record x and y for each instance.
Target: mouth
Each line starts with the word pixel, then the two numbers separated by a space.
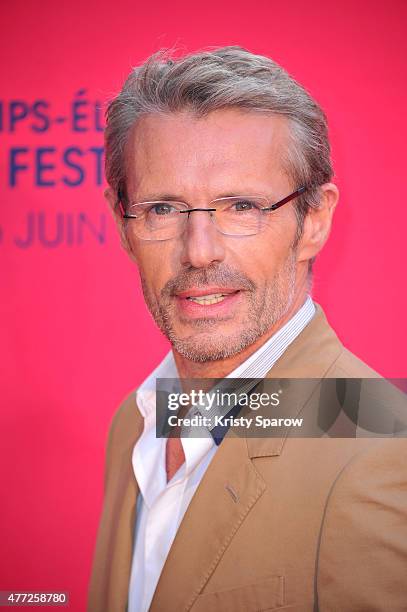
pixel 209 299
pixel 208 302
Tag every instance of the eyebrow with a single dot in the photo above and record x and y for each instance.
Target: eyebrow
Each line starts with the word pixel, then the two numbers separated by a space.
pixel 168 197
pixel 158 197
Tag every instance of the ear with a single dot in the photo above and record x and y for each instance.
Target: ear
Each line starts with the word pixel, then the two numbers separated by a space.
pixel 112 198
pixel 317 223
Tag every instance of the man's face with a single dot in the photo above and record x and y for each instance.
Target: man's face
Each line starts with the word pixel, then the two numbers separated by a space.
pixel 253 278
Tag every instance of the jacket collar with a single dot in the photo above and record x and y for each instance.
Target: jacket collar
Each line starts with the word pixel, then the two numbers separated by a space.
pixel 309 356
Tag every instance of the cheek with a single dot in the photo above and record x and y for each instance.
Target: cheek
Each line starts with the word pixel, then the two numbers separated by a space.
pixel 154 261
pixel 261 256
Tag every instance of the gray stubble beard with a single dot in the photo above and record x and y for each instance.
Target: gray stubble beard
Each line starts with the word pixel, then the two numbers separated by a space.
pixel 264 312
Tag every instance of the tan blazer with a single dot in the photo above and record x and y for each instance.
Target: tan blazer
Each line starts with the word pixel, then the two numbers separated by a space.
pixel 312 524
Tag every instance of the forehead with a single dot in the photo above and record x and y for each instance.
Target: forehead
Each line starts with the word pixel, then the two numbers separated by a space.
pixel 225 149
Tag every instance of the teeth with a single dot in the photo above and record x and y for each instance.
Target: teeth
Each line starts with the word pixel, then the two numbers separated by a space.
pixel 207 300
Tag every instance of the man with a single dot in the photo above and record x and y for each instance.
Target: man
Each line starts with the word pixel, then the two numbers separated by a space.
pixel 220 177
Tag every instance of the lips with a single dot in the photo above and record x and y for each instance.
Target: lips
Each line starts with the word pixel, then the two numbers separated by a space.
pixel 197 292
pixel 208 300
pixel 197 302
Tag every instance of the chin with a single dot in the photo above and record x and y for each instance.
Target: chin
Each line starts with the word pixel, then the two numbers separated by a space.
pixel 203 347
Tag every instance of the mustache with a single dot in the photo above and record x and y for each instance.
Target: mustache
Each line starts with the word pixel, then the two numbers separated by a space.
pixel 220 275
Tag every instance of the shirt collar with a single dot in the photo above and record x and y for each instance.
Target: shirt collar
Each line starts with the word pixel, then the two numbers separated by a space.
pixel 262 360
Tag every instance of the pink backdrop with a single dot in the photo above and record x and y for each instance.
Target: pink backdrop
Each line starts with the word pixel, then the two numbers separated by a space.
pixel 75 334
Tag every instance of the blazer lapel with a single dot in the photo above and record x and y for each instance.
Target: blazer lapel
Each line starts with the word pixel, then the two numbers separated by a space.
pixel 223 500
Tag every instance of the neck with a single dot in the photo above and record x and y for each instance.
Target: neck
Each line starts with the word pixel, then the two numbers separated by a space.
pixel 219 369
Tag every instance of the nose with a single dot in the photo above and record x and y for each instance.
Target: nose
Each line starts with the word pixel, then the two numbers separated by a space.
pixel 202 243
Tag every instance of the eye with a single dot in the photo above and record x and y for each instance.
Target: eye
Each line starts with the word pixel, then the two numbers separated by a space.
pixel 162 209
pixel 245 205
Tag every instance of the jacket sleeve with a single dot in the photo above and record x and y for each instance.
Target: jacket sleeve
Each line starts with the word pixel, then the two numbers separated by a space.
pixel 362 554
pixel 126 421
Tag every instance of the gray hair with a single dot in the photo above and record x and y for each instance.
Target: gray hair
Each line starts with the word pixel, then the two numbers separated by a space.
pixel 212 80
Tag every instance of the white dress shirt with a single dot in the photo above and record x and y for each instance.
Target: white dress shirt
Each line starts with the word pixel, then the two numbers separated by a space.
pixel 161 505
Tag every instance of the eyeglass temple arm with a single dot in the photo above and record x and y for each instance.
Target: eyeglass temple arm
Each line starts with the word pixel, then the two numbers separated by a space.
pixel 120 204
pixel 293 195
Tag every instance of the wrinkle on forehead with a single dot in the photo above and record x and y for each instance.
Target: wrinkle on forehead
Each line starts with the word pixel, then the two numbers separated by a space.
pixel 225 150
